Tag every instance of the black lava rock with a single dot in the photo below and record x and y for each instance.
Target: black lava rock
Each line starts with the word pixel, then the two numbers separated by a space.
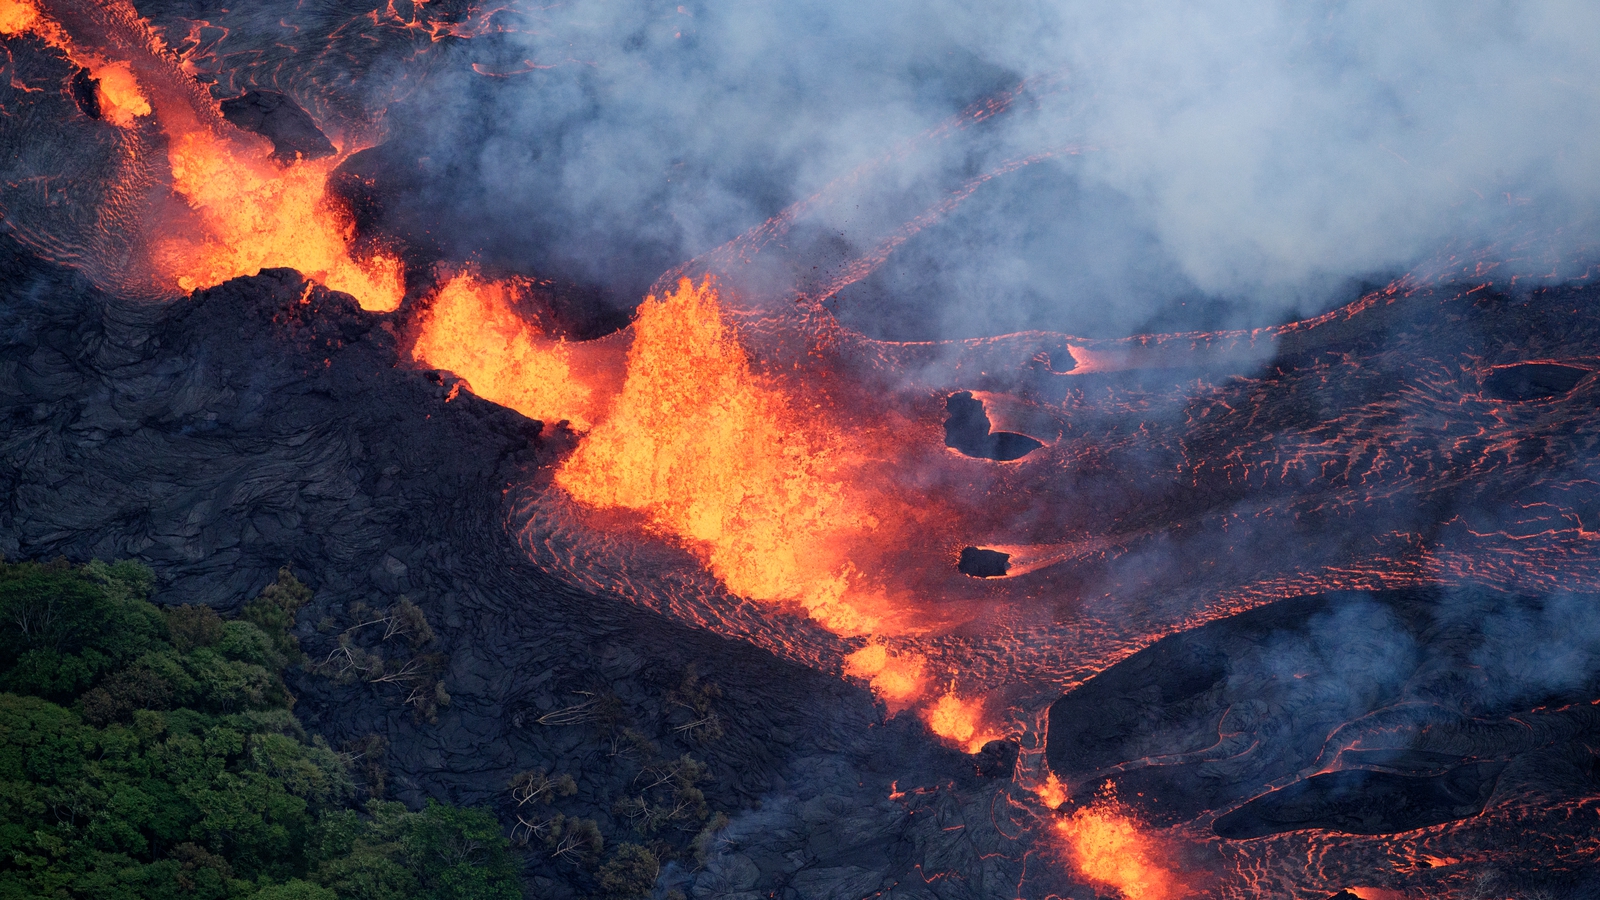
pixel 86 92
pixel 967 431
pixel 997 759
pixel 981 563
pixel 280 120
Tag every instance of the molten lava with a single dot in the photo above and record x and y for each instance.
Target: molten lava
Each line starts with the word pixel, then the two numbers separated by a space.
pixel 22 17
pixel 120 98
pixel 257 215
pixel 959 721
pixel 1108 847
pixel 249 212
pixel 473 330
pixel 896 677
pixel 715 455
pixel 1052 793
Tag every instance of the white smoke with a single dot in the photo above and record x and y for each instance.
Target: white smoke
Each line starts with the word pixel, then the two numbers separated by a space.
pixel 1249 157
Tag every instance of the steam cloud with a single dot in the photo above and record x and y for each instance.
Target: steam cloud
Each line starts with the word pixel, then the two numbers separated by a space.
pixel 1248 159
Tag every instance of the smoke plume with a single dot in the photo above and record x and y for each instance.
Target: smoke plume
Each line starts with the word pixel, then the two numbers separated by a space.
pixel 1204 164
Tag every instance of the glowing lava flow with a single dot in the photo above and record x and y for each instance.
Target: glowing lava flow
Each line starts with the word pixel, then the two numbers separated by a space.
pixel 257 215
pixel 743 469
pixel 716 456
pixel 713 455
pixel 1107 847
pixel 117 91
pixel 249 212
pixel 473 330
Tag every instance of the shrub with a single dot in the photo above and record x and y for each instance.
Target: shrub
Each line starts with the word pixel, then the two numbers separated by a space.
pixel 630 873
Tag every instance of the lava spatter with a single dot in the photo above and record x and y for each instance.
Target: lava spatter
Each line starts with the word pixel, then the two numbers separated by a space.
pixel 118 97
pixel 1107 846
pixel 958 720
pixel 244 211
pixel 897 676
pixel 472 329
pixel 712 454
pixel 256 215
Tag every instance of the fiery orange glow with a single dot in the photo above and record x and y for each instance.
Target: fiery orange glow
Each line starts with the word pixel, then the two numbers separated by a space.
pixel 258 215
pixel 252 214
pixel 121 99
pixel 715 455
pixel 958 721
pixel 1052 793
pixel 22 17
pixel 473 330
pixel 896 677
pixel 1108 847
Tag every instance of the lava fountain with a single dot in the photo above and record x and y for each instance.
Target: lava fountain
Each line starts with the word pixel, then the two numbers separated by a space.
pixel 472 328
pixel 712 455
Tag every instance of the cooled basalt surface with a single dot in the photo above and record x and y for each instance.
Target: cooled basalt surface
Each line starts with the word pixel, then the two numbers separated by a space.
pixel 1437 714
pixel 264 423
pixel 1533 381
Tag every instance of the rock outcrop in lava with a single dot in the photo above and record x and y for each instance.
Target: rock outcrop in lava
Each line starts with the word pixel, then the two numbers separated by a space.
pixel 276 117
pixel 968 430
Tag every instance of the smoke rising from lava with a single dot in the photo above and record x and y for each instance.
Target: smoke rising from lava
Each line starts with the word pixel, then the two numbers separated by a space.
pixel 1242 162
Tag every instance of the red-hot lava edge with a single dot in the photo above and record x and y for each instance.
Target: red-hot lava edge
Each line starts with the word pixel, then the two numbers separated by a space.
pixel 776 478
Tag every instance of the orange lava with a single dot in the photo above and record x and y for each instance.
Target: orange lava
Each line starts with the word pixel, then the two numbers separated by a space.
pixel 1374 893
pixel 1107 847
pixel 719 457
pixel 22 17
pixel 121 99
pixel 257 215
pixel 252 213
pixel 473 330
pixel 896 677
pixel 1052 793
pixel 958 721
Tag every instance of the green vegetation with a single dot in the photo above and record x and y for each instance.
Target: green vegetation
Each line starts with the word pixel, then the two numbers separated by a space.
pixel 630 872
pixel 149 753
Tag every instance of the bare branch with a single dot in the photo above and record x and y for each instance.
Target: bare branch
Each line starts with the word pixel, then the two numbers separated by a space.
pixel 576 714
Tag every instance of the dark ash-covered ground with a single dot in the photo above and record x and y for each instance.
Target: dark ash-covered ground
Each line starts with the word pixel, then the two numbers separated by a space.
pixel 220 437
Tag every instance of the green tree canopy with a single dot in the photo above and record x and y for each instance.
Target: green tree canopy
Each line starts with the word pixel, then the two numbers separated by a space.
pixel 152 754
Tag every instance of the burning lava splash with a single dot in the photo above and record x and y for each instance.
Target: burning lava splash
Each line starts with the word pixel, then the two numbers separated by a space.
pixel 1107 846
pixel 714 455
pixel 473 328
pixel 117 92
pixel 255 215
pixel 242 212
pixel 734 465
